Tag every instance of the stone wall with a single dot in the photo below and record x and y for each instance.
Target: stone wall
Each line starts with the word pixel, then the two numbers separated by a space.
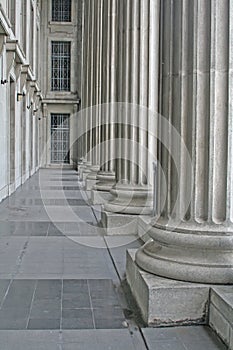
pixel 20 96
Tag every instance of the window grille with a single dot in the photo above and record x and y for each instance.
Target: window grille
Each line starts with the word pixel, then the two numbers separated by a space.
pixel 60 138
pixel 60 66
pixel 61 10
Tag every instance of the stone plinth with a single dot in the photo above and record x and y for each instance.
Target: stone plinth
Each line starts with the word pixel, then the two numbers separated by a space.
pixel 100 197
pixel 118 224
pixel 165 302
pixel 91 178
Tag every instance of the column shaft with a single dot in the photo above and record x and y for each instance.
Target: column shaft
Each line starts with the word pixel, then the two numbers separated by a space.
pixel 106 176
pixel 193 232
pixel 133 190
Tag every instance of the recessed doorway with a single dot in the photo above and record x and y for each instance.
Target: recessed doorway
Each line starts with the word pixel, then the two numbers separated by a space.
pixel 60 138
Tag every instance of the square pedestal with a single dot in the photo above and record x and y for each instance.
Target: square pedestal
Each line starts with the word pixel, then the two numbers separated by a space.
pixel 90 183
pixel 85 175
pixel 119 224
pixel 100 197
pixel 165 302
pixel 81 169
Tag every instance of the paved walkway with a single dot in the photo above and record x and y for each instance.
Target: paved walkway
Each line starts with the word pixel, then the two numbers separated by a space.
pixel 61 279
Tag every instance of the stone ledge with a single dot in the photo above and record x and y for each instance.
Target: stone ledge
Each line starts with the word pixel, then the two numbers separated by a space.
pixel 221 313
pixel 165 302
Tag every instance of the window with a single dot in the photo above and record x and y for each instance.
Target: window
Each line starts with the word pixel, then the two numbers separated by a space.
pixel 61 10
pixel 60 66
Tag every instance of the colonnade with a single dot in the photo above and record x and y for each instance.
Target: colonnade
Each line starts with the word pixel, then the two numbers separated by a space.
pixel 173 58
pixel 126 70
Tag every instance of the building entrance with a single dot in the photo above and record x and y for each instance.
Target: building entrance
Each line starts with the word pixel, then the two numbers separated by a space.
pixel 60 138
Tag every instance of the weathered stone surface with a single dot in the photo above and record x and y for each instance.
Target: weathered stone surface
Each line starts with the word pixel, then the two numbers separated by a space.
pixel 165 302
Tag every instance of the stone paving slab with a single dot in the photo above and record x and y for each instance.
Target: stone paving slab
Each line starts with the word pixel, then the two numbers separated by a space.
pixel 118 246
pixel 47 228
pixel 67 340
pixel 182 338
pixel 59 304
pixel 25 202
pixel 50 194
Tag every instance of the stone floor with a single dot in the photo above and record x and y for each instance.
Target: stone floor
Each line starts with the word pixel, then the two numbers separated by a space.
pixel 61 279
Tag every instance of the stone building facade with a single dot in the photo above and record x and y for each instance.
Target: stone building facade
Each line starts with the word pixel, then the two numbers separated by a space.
pixel 20 93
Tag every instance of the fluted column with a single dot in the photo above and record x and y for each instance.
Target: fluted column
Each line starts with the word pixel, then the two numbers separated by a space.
pixel 89 87
pixel 193 232
pixel 95 92
pixel 133 191
pixel 81 144
pixel 84 117
pixel 106 175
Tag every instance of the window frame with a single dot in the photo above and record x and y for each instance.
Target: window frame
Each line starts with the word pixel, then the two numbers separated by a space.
pixel 59 80
pixel 61 20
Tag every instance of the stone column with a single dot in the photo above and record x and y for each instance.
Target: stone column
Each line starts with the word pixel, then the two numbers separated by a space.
pixel 81 144
pixel 106 175
pixel 89 88
pixel 192 236
pixel 133 191
pixel 83 123
pixel 95 92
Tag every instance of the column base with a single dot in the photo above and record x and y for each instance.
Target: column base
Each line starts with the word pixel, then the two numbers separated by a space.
pixel 90 182
pixel 100 197
pixel 189 252
pixel 119 224
pixel 81 162
pixel 132 200
pixel 81 169
pixel 165 302
pixel 106 180
pixel 91 178
pixel 86 172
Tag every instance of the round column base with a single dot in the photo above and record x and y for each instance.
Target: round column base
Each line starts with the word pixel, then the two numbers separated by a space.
pixel 93 172
pixel 193 255
pixel 106 180
pixel 129 199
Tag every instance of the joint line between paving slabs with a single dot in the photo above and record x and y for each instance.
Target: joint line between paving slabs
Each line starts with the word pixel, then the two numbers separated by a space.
pixel 92 310
pixel 62 292
pixel 30 310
